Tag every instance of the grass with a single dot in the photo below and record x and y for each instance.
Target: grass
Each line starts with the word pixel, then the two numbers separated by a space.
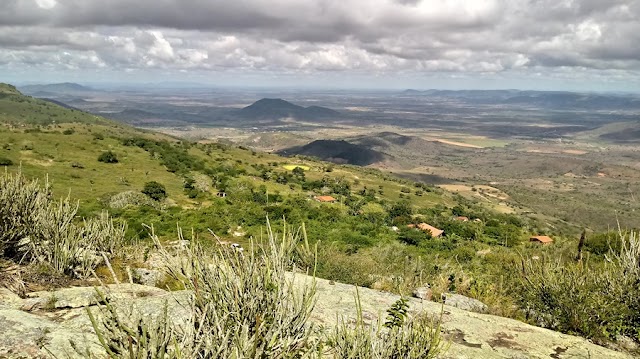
pixel 55 154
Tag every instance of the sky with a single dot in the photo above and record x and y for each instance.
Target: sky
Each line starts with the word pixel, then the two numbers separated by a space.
pixel 586 45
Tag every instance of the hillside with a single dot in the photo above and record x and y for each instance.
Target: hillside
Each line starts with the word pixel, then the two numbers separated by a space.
pixel 64 144
pixel 6 89
pixel 19 109
pixel 274 109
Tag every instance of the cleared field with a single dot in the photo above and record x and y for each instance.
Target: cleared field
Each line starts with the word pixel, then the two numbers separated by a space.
pixel 292 167
pixel 455 143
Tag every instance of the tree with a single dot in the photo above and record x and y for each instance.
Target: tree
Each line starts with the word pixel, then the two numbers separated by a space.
pixel 108 157
pixel 413 236
pixel 298 172
pixel 155 190
pixel 400 212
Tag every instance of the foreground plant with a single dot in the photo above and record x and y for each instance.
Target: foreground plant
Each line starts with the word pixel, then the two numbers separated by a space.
pixel 398 337
pixel 241 305
pixel 35 228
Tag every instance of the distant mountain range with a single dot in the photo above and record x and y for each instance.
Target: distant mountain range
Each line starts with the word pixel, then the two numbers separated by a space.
pixel 546 99
pixel 65 88
pixel 272 109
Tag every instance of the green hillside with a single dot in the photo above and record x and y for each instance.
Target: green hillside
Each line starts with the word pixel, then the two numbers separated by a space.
pixel 16 108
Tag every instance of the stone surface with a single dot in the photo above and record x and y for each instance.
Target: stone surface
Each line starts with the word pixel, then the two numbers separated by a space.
pixel 78 297
pixel 424 293
pixel 472 335
pixel 464 303
pixel 10 299
pixel 148 277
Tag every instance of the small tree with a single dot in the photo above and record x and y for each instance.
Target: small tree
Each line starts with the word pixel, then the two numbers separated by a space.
pixel 155 190
pixel 108 157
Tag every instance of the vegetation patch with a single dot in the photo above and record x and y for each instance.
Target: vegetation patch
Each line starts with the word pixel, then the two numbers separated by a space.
pixel 292 167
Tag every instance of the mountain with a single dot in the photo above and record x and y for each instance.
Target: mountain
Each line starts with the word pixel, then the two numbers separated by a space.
pixel 337 151
pixel 274 109
pixel 547 99
pixel 59 88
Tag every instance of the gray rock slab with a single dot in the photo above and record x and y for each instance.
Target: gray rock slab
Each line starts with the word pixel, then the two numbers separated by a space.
pixel 471 335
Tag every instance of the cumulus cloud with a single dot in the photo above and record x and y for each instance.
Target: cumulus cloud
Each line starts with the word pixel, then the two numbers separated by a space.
pixel 375 36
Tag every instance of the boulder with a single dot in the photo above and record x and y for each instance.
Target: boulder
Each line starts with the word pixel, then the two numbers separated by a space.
pixel 148 277
pixel 79 297
pixel 464 303
pixel 9 299
pixel 424 293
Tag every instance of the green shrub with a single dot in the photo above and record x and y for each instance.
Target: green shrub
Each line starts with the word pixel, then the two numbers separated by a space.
pixel 5 162
pixel 399 337
pixel 598 300
pixel 69 131
pixel 603 243
pixel 413 236
pixel 108 157
pixel 155 190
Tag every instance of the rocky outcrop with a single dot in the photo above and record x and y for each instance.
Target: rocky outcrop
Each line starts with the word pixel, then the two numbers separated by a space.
pixel 50 327
pixel 464 303
pixel 150 277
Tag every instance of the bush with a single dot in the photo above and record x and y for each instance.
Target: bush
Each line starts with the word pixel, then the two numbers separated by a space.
pixel 108 157
pixel 35 228
pixel 69 131
pixel 5 162
pixel 413 236
pixel 398 337
pixel 596 300
pixel 155 190
pixel 242 306
pixel 131 199
pixel 603 243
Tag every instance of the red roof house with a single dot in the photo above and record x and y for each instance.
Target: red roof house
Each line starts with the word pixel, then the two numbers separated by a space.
pixel 541 239
pixel 435 232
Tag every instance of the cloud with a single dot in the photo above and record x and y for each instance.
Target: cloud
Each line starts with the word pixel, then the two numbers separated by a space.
pixel 374 36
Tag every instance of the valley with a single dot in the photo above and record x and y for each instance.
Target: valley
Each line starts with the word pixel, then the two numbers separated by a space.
pixel 567 158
